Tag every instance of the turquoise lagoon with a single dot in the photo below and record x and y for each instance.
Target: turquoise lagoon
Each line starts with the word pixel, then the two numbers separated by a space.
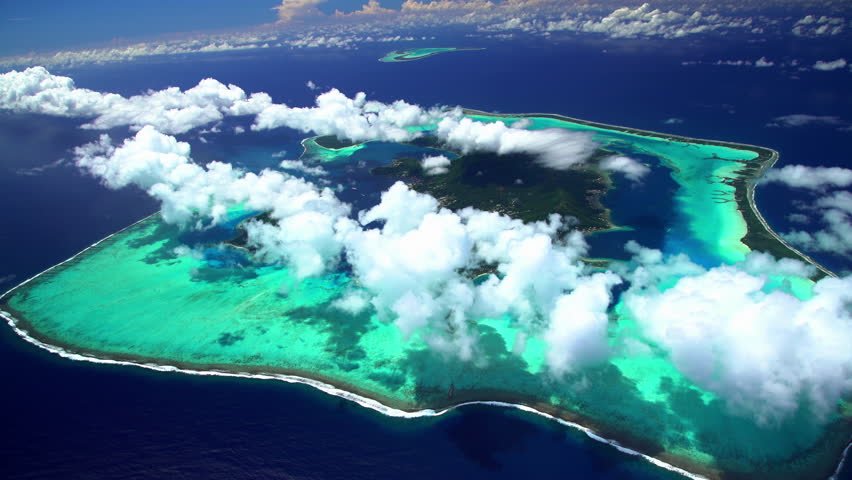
pixel 130 299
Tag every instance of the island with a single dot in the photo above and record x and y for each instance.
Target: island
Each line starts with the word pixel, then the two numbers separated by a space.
pixel 128 299
pixel 514 185
pixel 329 148
pixel 420 53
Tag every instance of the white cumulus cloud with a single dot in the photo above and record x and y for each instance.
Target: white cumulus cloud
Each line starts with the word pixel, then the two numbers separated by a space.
pixel 35 90
pixel 818 26
pixel 193 196
pixel 827 66
pixel 631 169
pixel 358 119
pixel 355 119
pixel 762 351
pixel 557 148
pixel 435 165
pixel 645 21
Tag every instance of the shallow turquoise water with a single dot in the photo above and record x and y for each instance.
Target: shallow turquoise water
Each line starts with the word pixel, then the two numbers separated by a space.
pixel 706 230
pixel 415 54
pixel 132 298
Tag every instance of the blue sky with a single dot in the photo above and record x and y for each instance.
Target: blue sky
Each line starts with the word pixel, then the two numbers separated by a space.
pixel 60 24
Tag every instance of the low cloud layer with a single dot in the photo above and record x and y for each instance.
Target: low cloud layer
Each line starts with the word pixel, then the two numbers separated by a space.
pixel 830 208
pixel 557 148
pixel 814 178
pixel 646 21
pixel 804 119
pixel 408 256
pixel 35 90
pixel 300 25
pixel 410 264
pixel 732 329
pixel 834 211
pixel 763 351
pixel 355 119
pixel 818 26
pixel 827 66
pixel 358 119
pixel 303 235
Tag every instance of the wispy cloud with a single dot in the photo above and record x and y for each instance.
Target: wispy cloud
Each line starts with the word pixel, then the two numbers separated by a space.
pixel 813 178
pixel 832 210
pixel 804 119
pixel 34 171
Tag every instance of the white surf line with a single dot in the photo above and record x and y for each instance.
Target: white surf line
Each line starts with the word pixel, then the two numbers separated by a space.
pixel 337 392
pixel 325 387
pixel 750 194
pixel 837 470
pixel 322 386
pixel 685 140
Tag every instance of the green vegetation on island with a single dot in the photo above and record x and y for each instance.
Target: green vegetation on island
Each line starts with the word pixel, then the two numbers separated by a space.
pixel 333 143
pixel 515 185
pixel 736 186
pixel 329 148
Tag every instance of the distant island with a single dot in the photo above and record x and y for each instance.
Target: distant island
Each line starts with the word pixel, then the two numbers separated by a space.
pixel 128 299
pixel 419 53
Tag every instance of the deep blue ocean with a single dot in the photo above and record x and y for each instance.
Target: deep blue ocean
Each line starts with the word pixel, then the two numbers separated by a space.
pixel 70 420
